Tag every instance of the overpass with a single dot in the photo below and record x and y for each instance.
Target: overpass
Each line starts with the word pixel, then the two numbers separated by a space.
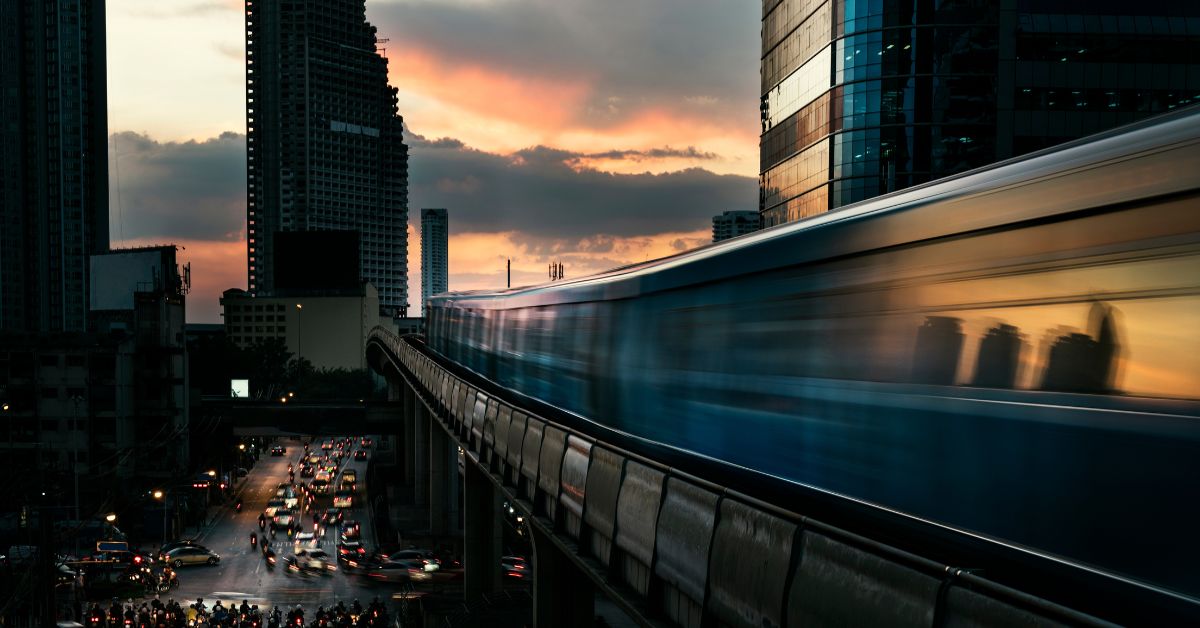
pixel 298 417
pixel 676 541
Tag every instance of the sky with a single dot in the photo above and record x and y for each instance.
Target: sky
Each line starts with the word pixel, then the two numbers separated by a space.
pixel 591 133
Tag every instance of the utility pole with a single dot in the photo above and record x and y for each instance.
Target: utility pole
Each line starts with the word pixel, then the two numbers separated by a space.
pixel 508 284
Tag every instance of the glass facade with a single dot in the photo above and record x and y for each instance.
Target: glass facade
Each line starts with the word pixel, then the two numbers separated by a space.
pixel 901 92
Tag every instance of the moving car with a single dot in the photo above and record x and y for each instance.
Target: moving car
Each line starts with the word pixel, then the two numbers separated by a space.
pixel 515 567
pixel 278 451
pixel 361 454
pixel 352 553
pixel 351 531
pixel 306 471
pixel 403 571
pixel 426 558
pixel 177 544
pixel 192 555
pixel 343 499
pixel 309 559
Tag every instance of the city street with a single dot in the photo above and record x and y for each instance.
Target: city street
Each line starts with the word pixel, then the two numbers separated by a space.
pixel 242 573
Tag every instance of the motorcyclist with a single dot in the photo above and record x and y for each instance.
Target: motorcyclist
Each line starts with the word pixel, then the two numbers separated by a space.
pixel 219 613
pixel 253 539
pixel 356 608
pixel 262 521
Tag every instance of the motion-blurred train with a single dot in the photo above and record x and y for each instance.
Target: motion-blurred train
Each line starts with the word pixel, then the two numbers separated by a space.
pixel 1014 351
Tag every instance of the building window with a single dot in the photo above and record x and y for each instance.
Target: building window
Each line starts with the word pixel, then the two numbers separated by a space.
pixel 76 360
pixel 49 393
pixel 48 360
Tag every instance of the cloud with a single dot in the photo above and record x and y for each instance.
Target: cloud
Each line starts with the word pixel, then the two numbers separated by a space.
pixel 686 52
pixel 576 74
pixel 177 190
pixel 551 193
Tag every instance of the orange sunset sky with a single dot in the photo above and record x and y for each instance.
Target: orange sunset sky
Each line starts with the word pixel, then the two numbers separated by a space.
pixel 592 133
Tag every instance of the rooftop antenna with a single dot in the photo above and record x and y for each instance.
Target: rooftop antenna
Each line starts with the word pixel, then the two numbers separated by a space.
pixel 509 283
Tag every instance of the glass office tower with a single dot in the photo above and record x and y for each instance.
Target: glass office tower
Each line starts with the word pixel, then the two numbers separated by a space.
pixel 864 97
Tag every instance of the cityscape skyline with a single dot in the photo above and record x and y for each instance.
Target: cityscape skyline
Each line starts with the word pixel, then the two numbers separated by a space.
pixel 644 161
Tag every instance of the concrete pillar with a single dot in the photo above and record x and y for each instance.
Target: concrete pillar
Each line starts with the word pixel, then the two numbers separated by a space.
pixel 562 595
pixel 483 540
pixel 454 492
pixel 409 445
pixel 438 478
pixel 420 453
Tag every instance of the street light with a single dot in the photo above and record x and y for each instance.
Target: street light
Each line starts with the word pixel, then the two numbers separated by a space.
pixel 299 328
pixel 242 446
pixel 159 495
pixel 111 517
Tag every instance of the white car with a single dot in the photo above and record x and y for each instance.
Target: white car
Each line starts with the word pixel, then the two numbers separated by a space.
pixel 309 559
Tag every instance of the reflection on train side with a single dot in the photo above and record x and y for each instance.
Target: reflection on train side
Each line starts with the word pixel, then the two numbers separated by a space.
pixel 1074 361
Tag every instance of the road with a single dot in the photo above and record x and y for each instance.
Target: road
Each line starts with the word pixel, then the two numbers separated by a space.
pixel 242 573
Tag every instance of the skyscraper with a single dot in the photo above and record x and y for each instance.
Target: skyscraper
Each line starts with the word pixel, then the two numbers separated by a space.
pixel 53 160
pixel 434 253
pixel 324 142
pixel 732 224
pixel 861 97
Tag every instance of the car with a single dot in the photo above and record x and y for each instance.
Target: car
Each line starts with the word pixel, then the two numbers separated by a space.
pixel 331 516
pixel 365 442
pixel 278 451
pixel 426 558
pixel 361 454
pixel 191 555
pixel 350 530
pixel 176 544
pixel 320 485
pixel 327 445
pixel 310 559
pixel 352 553
pixel 515 567
pixel 350 475
pixel 307 471
pixel 400 571
pixel 285 519
pixel 306 540
pixel 343 499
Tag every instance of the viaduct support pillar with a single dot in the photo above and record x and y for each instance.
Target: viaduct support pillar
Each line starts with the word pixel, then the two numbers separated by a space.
pixel 562 596
pixel 407 446
pixel 438 446
pixel 483 540
pixel 421 423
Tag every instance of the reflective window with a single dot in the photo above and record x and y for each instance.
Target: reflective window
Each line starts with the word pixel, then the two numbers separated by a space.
pixel 797 90
pixel 796 48
pixel 795 176
pixel 780 21
pixel 797 132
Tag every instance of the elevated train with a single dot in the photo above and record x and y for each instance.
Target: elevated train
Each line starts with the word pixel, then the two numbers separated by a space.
pixel 1013 352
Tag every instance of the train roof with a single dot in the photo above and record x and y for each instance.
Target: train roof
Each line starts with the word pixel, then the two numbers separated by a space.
pixel 1152 157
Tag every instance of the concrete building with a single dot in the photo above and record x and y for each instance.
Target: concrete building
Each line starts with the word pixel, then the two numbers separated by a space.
pixel 53 160
pixel 732 224
pixel 434 253
pixel 328 330
pixel 324 146
pixel 861 98
pixel 79 404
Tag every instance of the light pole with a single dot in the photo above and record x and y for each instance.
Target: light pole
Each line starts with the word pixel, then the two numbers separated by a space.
pixel 161 497
pixel 299 329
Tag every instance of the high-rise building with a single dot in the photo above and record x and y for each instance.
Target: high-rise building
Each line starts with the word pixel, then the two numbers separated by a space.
pixel 53 161
pixel 324 142
pixel 434 253
pixel 861 97
pixel 732 224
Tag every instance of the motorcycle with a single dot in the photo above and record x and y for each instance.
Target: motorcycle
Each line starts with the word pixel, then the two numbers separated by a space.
pixel 238 506
pixel 253 539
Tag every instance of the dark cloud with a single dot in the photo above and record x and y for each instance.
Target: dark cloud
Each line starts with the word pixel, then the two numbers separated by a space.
pixel 691 54
pixel 177 190
pixel 543 193
pixel 654 153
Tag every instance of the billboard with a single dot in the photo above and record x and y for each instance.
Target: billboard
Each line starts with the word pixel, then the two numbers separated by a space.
pixel 239 388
